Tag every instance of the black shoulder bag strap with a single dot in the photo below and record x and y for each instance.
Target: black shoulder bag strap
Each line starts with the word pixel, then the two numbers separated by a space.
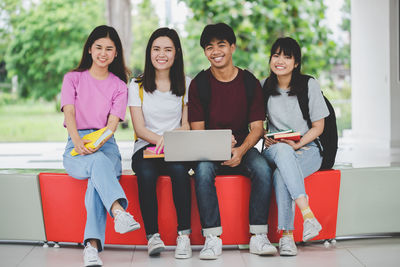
pixel 204 93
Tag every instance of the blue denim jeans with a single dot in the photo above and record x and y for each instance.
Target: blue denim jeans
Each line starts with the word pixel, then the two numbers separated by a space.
pixel 254 166
pixel 102 169
pixel 289 170
pixel 147 172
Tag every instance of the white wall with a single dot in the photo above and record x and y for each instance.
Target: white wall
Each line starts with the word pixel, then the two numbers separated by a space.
pixel 370 70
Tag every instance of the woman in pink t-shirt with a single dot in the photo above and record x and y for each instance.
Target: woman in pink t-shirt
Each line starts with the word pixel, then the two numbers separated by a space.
pixel 94 96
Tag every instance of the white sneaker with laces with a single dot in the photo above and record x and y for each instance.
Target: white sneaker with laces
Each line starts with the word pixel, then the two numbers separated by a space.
pixel 91 256
pixel 287 247
pixel 212 248
pixel 155 245
pixel 124 222
pixel 260 245
pixel 183 249
pixel 311 228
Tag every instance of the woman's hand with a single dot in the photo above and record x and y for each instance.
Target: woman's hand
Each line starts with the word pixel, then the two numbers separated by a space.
pixel 293 144
pixel 159 145
pixel 81 149
pixel 269 141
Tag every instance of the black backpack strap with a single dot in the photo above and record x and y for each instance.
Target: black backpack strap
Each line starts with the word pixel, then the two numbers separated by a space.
pixel 250 83
pixel 204 93
pixel 303 99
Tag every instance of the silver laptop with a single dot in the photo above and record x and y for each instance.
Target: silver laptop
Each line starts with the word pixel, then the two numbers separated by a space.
pixel 197 145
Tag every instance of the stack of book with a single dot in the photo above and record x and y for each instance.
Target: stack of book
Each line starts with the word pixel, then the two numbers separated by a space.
pixel 151 153
pixel 97 139
pixel 288 135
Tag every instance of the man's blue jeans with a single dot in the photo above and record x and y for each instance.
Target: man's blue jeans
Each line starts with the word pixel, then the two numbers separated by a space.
pixel 254 166
pixel 102 169
pixel 289 170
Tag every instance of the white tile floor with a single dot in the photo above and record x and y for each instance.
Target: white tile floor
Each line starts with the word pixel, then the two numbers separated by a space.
pixel 381 252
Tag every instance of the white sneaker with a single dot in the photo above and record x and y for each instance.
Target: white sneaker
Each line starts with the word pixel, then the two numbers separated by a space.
pixel 155 245
pixel 124 222
pixel 91 256
pixel 212 248
pixel 183 249
pixel 260 245
pixel 287 247
pixel 311 228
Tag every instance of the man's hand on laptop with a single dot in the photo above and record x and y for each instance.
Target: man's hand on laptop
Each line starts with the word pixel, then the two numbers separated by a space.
pixel 236 158
pixel 233 141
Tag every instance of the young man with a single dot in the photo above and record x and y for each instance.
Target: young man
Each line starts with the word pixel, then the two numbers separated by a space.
pixel 229 108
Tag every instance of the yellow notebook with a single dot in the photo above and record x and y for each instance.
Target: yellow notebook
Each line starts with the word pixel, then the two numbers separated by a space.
pixel 96 138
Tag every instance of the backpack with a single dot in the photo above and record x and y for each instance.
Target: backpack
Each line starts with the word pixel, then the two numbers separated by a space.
pixel 328 140
pixel 204 90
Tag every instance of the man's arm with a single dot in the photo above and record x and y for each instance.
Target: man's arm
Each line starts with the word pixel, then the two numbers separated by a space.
pixel 256 132
pixel 197 125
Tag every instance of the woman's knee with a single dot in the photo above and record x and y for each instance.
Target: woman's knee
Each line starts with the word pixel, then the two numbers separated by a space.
pixel 279 150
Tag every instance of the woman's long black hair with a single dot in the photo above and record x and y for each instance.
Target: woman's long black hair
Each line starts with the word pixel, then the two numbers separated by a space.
pixel 176 73
pixel 289 47
pixel 117 67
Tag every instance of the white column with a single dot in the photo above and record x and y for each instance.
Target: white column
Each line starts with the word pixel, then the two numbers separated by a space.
pixel 370 70
pixel 119 16
pixel 395 73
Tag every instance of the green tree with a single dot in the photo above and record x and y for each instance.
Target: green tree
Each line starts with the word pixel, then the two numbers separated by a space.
pixel 258 24
pixel 46 40
pixel 144 22
pixel 344 50
pixel 192 52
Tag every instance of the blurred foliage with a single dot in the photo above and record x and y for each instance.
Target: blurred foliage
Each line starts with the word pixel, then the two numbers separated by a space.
pixel 193 54
pixel 45 40
pixel 144 22
pixel 344 50
pixel 258 23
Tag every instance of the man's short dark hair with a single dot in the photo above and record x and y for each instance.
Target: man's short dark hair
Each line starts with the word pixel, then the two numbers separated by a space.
pixel 220 31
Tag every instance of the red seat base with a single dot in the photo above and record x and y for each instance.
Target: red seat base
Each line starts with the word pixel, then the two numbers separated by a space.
pixel 65 215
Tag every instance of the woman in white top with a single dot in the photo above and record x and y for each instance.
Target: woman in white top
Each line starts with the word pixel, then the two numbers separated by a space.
pixel 291 161
pixel 158 103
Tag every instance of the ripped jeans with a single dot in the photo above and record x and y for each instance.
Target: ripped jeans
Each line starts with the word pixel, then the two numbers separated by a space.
pixel 289 170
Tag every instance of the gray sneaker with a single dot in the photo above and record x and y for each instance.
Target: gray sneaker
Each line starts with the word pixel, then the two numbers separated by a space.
pixel 155 245
pixel 183 249
pixel 212 248
pixel 91 256
pixel 260 245
pixel 124 222
pixel 287 247
pixel 311 228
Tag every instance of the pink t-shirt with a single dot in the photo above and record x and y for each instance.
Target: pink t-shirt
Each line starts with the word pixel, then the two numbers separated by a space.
pixel 94 99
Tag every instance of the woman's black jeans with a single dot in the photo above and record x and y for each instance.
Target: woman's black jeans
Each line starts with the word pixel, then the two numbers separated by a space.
pixel 147 172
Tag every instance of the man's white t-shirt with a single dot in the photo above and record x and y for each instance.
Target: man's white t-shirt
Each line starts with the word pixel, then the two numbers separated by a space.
pixel 162 111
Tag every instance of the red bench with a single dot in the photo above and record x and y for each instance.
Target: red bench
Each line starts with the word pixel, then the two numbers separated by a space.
pixel 64 211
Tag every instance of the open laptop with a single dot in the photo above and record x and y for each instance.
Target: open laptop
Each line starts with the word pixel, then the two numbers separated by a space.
pixel 197 145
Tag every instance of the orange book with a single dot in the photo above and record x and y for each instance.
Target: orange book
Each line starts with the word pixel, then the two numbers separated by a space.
pixel 149 154
pixel 289 136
